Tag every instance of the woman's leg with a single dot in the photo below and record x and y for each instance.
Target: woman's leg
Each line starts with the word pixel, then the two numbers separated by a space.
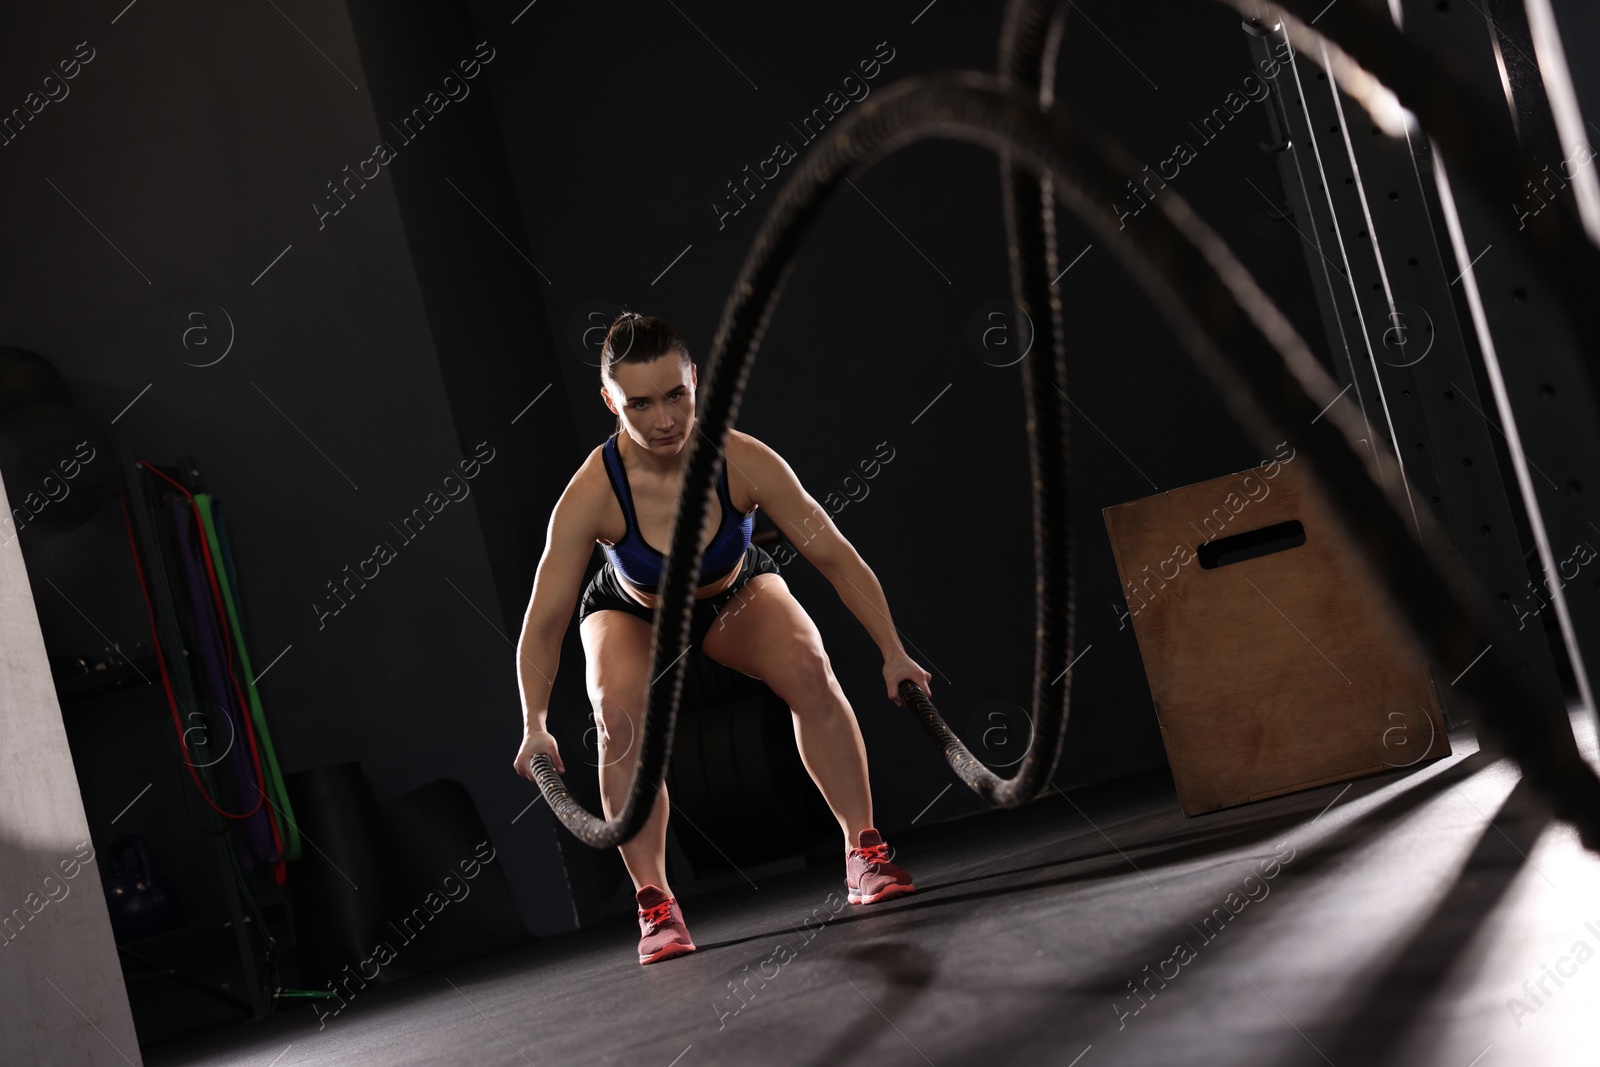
pixel 768 635
pixel 616 647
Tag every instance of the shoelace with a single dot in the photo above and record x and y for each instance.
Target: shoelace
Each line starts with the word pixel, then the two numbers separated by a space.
pixel 656 914
pixel 874 853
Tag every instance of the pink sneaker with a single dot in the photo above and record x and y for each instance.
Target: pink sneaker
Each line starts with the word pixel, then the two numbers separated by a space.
pixel 661 929
pixel 869 874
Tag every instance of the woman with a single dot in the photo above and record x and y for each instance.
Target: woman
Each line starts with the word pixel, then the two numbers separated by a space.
pixel 624 497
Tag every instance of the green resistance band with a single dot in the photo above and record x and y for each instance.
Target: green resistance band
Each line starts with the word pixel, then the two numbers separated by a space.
pixel 277 793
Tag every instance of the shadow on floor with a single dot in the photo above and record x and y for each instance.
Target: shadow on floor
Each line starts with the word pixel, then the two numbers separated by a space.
pixel 1109 975
pixel 1255 829
pixel 1374 1030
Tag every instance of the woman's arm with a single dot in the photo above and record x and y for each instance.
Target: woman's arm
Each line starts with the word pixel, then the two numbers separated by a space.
pixel 774 485
pixel 569 542
pixel 859 589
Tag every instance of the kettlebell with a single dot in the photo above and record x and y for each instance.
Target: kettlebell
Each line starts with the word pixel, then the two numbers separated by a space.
pixel 141 902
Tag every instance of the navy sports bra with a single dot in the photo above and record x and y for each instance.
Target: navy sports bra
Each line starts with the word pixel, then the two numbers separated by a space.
pixel 640 565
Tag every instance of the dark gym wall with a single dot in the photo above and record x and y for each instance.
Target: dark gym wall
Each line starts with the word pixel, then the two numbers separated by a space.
pixel 481 289
pixel 412 325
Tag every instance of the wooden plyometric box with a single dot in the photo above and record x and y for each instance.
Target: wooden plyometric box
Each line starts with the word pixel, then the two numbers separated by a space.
pixel 1274 660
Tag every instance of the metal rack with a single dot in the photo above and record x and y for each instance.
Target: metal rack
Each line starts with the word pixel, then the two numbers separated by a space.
pixel 1445 338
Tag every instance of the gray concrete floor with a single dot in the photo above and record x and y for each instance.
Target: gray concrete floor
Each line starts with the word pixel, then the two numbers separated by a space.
pixel 1404 913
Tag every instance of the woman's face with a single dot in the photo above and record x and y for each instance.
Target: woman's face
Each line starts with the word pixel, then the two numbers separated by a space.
pixel 655 400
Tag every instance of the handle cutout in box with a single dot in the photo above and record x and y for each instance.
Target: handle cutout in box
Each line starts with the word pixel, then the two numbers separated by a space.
pixel 1279 537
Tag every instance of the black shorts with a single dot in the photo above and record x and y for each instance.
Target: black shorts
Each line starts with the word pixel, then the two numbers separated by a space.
pixel 604 592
